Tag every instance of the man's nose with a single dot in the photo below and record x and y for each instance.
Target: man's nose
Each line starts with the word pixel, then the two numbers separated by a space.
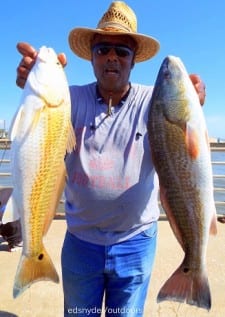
pixel 112 54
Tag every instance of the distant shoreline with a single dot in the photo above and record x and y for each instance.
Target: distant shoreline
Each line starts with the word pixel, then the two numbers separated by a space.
pixel 217 144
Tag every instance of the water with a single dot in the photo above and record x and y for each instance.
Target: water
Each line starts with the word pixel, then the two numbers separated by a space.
pixel 217 156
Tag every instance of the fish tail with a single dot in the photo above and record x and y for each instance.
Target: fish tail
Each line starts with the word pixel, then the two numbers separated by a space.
pixel 188 286
pixel 33 269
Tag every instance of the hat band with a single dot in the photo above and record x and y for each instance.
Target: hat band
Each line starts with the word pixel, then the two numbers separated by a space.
pixel 117 27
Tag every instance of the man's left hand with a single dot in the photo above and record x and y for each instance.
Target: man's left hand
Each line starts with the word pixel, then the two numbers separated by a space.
pixel 199 87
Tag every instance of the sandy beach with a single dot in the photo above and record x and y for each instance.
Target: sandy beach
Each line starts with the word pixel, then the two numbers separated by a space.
pixel 45 299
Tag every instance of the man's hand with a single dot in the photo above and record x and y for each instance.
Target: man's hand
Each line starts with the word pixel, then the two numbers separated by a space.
pixel 29 54
pixel 199 87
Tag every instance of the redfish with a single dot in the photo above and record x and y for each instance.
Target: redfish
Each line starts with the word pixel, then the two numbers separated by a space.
pixel 41 135
pixel 181 154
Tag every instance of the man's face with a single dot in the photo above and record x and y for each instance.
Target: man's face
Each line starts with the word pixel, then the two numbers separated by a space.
pixel 112 60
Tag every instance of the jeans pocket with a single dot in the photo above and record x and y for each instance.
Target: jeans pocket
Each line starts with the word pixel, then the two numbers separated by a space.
pixel 151 231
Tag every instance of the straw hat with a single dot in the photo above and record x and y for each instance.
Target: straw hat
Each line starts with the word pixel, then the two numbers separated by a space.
pixel 119 19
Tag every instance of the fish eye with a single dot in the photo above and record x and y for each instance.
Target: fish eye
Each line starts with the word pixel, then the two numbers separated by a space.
pixel 167 74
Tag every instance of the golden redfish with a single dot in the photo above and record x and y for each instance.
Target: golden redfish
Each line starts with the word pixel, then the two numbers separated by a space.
pixel 41 135
pixel 181 155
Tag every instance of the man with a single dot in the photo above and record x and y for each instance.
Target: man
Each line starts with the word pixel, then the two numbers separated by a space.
pixel 112 189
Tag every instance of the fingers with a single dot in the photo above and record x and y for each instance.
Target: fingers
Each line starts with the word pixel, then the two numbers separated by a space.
pixel 26 50
pixel 62 59
pixel 201 92
pixel 29 56
pixel 199 87
pixel 23 70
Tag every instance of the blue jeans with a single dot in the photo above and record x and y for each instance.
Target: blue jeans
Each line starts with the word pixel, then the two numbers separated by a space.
pixel 120 272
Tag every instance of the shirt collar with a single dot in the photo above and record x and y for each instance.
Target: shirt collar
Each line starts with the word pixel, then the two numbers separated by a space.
pixel 100 99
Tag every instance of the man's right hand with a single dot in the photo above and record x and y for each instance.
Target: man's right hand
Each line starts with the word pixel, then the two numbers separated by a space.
pixel 29 54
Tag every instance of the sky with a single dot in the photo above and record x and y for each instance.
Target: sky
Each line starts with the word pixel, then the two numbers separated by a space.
pixel 193 30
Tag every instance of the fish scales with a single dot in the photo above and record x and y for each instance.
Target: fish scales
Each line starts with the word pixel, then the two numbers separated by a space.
pixel 179 171
pixel 181 155
pixel 41 135
pixel 46 176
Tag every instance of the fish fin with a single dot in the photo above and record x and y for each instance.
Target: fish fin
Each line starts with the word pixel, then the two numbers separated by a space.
pixel 57 194
pixel 71 143
pixel 34 269
pixel 187 286
pixel 15 123
pixel 18 119
pixel 170 216
pixel 207 140
pixel 213 225
pixel 11 212
pixel 36 117
pixel 192 142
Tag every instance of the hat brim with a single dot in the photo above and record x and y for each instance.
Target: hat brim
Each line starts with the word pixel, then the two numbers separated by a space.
pixel 80 43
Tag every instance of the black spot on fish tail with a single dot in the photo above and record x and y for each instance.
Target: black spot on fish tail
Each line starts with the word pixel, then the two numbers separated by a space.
pixel 186 270
pixel 41 256
pixel 187 286
pixel 34 269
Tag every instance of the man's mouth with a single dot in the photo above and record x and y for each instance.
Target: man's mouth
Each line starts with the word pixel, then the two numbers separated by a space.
pixel 111 71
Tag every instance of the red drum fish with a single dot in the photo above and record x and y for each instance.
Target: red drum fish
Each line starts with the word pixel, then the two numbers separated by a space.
pixel 181 154
pixel 41 135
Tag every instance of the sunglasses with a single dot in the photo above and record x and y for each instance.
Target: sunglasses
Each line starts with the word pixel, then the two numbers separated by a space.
pixel 104 49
